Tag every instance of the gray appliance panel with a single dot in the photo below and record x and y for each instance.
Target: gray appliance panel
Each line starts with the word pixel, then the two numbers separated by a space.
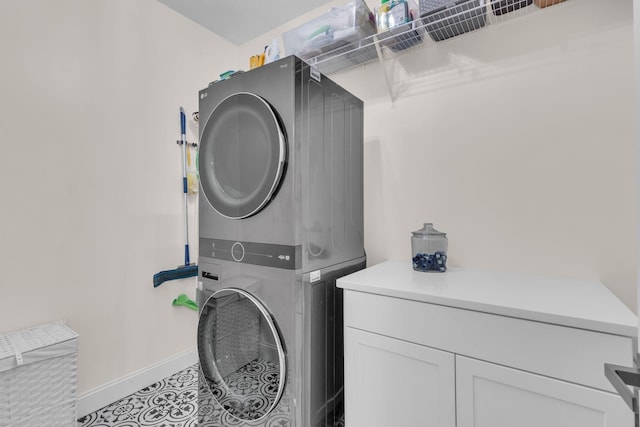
pixel 332 182
pixel 276 290
pixel 320 314
pixel 274 223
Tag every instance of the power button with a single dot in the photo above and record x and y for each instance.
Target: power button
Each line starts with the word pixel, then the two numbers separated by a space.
pixel 237 251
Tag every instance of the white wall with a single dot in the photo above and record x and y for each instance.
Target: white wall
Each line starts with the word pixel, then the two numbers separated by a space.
pixel 90 174
pixel 516 140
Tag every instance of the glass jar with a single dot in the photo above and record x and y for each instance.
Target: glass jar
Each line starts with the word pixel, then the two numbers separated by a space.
pixel 429 249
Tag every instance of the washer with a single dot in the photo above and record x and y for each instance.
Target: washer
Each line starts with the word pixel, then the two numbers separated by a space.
pixel 270 345
pixel 280 219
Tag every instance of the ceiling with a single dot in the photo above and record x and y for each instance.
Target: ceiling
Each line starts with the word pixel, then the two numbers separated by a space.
pixel 239 21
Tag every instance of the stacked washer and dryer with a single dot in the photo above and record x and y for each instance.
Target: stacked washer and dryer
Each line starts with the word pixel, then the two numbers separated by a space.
pixel 281 219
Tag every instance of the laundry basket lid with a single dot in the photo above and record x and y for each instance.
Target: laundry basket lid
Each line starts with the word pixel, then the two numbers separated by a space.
pixel 27 346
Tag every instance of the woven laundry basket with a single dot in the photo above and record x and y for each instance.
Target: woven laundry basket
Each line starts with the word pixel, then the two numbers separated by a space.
pixel 38 376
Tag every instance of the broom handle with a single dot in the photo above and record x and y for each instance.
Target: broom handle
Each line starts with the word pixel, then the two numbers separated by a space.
pixel 183 142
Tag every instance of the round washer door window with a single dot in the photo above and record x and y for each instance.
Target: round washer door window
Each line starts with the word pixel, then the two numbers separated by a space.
pixel 242 155
pixel 241 354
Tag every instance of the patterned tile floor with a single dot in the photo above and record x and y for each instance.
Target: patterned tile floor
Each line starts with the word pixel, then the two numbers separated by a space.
pixel 246 393
pixel 172 402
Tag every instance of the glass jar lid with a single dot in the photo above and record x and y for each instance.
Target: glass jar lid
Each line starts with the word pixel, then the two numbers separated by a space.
pixel 428 230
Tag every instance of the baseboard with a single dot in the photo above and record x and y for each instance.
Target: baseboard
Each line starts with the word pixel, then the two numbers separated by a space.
pixel 104 395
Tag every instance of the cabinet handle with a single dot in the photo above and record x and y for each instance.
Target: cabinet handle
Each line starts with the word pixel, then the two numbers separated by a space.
pixel 621 377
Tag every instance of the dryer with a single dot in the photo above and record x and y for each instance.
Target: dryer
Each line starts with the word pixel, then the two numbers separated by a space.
pixel 280 219
pixel 280 162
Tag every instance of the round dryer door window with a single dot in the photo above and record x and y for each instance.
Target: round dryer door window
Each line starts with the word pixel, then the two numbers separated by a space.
pixel 241 354
pixel 242 155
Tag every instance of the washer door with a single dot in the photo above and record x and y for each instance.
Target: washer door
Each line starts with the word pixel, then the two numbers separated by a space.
pixel 242 155
pixel 241 354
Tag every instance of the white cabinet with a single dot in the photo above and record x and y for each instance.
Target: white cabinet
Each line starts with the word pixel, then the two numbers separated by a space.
pixel 489 395
pixel 396 383
pixel 473 349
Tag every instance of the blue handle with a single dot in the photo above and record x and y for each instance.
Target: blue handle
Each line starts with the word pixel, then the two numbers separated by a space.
pixel 186 254
pixel 183 122
pixel 185 185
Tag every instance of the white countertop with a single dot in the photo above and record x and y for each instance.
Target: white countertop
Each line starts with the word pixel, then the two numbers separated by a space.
pixel 582 304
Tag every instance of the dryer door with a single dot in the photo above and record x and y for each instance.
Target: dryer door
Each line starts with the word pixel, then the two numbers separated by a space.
pixel 241 354
pixel 242 155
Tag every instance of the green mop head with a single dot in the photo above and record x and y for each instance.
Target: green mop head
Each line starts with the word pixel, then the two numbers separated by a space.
pixel 184 300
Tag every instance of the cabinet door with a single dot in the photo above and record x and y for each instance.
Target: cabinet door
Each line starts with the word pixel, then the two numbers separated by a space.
pixel 389 382
pixel 490 395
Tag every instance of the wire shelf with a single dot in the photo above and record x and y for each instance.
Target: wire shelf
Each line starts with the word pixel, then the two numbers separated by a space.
pixel 435 27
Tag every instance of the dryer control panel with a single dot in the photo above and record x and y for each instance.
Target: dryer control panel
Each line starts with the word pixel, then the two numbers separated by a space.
pixel 264 254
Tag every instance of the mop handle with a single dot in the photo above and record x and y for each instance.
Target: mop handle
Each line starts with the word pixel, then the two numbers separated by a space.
pixel 183 142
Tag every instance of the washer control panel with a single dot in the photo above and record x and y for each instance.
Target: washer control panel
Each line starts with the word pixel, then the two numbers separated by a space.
pixel 265 254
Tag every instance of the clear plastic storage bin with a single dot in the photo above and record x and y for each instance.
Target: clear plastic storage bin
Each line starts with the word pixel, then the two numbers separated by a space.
pixel 38 377
pixel 341 26
pixel 397 25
